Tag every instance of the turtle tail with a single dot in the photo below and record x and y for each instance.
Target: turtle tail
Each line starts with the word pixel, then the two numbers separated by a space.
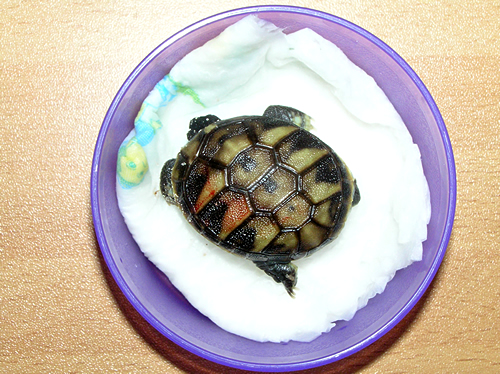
pixel 356 197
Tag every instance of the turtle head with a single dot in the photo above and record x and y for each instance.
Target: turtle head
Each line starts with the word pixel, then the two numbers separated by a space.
pixel 199 123
pixel 166 181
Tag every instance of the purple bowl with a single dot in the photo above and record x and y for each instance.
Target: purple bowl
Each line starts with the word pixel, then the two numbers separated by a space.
pixel 151 293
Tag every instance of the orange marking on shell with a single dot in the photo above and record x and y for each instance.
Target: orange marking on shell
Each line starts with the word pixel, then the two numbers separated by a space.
pixel 238 210
pixel 201 202
pixel 209 190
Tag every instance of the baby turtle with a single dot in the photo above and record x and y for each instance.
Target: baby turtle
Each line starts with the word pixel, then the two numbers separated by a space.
pixel 262 187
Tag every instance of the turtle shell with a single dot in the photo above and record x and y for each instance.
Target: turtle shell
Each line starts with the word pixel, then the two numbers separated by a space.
pixel 262 188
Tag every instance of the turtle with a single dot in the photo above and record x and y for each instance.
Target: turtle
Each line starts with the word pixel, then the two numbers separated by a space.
pixel 261 187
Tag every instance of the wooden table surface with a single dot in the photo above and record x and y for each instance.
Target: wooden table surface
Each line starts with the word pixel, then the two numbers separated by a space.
pixel 61 63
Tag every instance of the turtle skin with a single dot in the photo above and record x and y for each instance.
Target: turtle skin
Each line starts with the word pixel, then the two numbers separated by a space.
pixel 261 187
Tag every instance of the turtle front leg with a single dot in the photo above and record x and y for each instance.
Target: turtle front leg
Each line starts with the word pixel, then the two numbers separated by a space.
pixel 166 182
pixel 199 123
pixel 285 273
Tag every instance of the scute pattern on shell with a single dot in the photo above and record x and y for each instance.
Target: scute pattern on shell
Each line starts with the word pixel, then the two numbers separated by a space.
pixel 262 188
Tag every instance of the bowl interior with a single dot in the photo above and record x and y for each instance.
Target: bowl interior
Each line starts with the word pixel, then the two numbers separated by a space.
pixel 166 309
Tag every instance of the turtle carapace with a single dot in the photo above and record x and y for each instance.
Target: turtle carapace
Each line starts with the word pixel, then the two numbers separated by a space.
pixel 262 187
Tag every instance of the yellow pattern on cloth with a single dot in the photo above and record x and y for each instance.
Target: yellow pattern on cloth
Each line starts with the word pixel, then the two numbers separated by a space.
pixel 132 164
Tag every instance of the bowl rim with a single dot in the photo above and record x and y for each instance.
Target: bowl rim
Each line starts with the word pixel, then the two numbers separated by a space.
pixel 307 364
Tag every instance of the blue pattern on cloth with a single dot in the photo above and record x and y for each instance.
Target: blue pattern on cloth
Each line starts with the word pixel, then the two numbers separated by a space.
pixel 132 163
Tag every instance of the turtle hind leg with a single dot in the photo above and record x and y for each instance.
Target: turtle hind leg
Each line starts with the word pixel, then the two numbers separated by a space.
pixel 289 114
pixel 285 273
pixel 166 181
pixel 199 123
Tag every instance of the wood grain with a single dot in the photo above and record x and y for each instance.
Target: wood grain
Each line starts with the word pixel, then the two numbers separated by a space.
pixel 61 63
